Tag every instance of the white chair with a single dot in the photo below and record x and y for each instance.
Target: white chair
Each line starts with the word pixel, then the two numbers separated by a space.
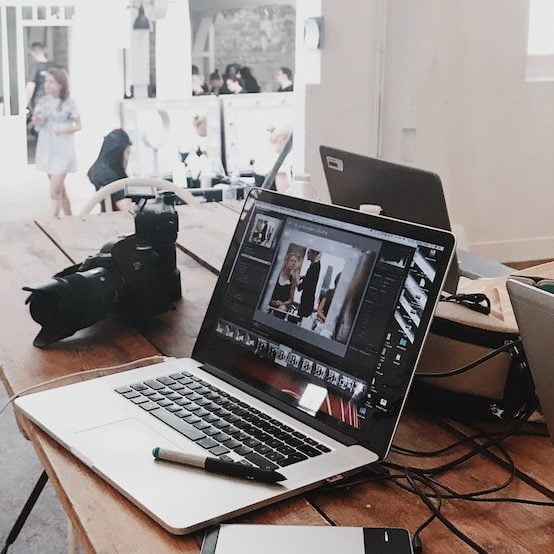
pixel 120 184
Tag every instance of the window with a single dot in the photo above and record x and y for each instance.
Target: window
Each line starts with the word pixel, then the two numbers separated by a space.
pixel 540 44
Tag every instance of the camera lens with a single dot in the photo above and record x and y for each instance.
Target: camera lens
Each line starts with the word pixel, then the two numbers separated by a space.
pixel 63 305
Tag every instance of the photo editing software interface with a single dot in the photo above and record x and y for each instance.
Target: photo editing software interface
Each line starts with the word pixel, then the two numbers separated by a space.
pixel 324 314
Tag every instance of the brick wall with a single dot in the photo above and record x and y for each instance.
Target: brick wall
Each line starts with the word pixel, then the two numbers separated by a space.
pixel 260 38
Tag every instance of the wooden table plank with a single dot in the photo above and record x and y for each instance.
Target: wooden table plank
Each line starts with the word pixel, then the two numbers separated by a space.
pixel 499 528
pixel 205 232
pixel 532 455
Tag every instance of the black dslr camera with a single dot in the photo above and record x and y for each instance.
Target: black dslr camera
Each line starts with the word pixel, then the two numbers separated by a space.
pixel 132 277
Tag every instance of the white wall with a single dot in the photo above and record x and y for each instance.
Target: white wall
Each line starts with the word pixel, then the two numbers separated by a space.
pixel 342 110
pixel 455 75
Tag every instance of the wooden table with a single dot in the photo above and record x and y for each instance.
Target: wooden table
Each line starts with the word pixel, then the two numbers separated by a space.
pixel 107 522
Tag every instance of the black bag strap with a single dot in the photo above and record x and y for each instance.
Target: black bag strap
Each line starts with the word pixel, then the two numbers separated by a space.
pixel 478 302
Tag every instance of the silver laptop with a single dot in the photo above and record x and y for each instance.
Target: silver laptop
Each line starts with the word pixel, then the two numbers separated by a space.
pixel 302 364
pixel 534 311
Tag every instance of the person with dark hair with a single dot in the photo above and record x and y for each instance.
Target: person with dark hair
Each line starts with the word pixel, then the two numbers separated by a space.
pixel 234 85
pixel 111 165
pixel 250 82
pixel 56 119
pixel 231 72
pixel 199 86
pixel 308 284
pixel 216 82
pixel 284 78
pixel 37 74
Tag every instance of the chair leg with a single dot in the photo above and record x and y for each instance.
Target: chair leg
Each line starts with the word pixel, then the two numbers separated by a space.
pixel 24 514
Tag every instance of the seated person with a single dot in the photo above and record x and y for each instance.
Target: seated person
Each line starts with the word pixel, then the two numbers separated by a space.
pixel 110 166
pixel 278 137
pixel 283 293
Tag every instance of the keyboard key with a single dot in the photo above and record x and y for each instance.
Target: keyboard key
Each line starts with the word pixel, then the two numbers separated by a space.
pixel 201 412
pixel 309 450
pixel 193 408
pixel 202 391
pixel 194 397
pixel 296 434
pixel 148 392
pixel 173 396
pixel 210 418
pixel 166 380
pixel 184 380
pixel 240 436
pixel 154 384
pixel 260 461
pixel 191 418
pixel 292 460
pixel 194 377
pixel 165 391
pixel 139 386
pixel 221 424
pixel 165 402
pixel 231 443
pixel 186 373
pixel 274 456
pixel 132 394
pixel 173 408
pixel 226 458
pixel 194 386
pixel 176 386
pixel 211 431
pixel 178 424
pixel 208 442
pixel 148 406
pixel 123 390
pixel 221 437
pixel 323 448
pixel 242 450
pixel 203 402
pixel 218 450
pixel 232 431
pixel 183 402
pixel 310 441
pixel 139 400
pixel 231 418
pixel 286 450
pixel 251 443
pixel 155 397
pixel 262 449
pixel 201 425
pixel 176 376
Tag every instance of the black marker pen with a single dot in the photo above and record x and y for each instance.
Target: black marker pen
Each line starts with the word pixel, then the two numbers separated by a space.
pixel 216 465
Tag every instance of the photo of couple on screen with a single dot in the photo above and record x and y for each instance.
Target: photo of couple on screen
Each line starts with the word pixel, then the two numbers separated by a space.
pixel 314 289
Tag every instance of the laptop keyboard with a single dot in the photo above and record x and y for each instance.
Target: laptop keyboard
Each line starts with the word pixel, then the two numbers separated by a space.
pixel 222 424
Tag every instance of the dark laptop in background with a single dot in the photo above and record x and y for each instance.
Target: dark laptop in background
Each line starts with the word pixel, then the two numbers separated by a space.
pixel 403 192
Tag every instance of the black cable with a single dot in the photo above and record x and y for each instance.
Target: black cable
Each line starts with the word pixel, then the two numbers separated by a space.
pixel 463 369
pixel 412 479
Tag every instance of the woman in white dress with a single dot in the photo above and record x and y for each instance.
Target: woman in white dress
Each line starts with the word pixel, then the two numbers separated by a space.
pixel 56 119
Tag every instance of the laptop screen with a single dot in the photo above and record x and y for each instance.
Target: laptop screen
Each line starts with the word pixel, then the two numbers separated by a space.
pixel 325 310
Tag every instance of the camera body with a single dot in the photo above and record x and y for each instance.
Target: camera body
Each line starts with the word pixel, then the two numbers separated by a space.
pixel 132 278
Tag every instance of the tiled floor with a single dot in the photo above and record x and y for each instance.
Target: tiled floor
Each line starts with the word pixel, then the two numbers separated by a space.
pixel 46 529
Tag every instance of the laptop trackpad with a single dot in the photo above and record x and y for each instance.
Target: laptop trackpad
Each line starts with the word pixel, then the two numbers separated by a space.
pixel 121 444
